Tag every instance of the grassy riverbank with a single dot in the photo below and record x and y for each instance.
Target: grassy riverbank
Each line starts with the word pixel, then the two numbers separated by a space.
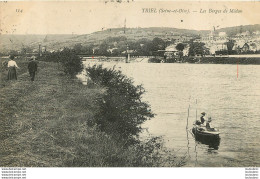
pixel 45 123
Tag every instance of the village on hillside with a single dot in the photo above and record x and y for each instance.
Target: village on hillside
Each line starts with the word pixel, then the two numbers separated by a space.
pixel 165 44
pixel 219 44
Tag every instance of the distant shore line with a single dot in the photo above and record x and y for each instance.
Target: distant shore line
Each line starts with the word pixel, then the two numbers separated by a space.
pixel 196 60
pixel 246 59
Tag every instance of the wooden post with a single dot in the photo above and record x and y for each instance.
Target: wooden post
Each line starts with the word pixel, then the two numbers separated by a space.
pixel 196 109
pixel 128 55
pixel 40 50
pixel 188 118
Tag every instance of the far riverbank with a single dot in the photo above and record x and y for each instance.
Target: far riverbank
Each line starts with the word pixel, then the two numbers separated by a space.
pixel 243 59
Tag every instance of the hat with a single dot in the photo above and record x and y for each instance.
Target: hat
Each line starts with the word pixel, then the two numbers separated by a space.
pixel 203 113
pixel 33 57
pixel 11 57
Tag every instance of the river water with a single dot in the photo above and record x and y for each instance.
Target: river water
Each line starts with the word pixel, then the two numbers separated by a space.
pixel 233 102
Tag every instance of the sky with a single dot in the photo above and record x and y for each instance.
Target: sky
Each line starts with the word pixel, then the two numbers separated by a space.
pixel 79 17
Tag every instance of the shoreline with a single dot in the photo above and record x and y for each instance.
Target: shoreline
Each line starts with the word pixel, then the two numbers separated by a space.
pixel 189 60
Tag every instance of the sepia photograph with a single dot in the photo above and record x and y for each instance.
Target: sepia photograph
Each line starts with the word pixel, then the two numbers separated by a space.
pixel 124 83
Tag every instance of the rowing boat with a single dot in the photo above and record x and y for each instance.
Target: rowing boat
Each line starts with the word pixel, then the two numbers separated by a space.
pixel 203 132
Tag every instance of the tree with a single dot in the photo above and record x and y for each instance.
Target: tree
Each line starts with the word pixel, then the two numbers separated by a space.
pixel 197 48
pixel 230 44
pixel 103 49
pixel 158 44
pixel 25 50
pixel 115 52
pixel 88 50
pixel 144 47
pixel 78 48
pixel 180 47
pixel 14 52
pixel 122 110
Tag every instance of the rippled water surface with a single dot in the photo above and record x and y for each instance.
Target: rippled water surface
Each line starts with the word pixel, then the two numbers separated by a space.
pixel 233 103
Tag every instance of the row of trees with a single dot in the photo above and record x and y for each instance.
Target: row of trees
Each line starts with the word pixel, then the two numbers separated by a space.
pixel 118 46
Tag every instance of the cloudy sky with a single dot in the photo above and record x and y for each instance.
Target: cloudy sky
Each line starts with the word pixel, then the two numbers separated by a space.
pixel 86 17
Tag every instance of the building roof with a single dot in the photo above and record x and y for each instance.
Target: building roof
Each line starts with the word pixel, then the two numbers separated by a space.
pixel 171 48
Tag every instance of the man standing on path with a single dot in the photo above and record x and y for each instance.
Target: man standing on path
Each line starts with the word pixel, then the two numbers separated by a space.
pixel 32 67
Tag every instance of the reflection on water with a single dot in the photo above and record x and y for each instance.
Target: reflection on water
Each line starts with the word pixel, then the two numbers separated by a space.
pixel 233 103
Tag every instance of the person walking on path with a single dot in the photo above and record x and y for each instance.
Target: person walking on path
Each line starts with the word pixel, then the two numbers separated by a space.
pixel 12 69
pixel 32 68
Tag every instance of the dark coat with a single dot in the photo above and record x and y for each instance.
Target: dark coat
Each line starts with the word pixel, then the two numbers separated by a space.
pixel 202 119
pixel 32 66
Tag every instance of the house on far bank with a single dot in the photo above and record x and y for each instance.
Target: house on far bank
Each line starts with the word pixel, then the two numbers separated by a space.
pixel 253 46
pixel 256 32
pixel 186 50
pixel 111 50
pixel 217 47
pixel 171 48
pixel 172 52
pixel 242 47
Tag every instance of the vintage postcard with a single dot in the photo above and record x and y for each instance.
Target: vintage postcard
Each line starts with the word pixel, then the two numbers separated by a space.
pixel 120 83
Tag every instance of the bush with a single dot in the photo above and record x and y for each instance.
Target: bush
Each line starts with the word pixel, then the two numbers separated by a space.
pixel 70 61
pixel 122 111
pixel 170 60
pixel 155 60
pixel 50 57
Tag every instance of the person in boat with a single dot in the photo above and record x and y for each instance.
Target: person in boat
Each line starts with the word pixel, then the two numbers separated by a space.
pixel 202 119
pixel 208 124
